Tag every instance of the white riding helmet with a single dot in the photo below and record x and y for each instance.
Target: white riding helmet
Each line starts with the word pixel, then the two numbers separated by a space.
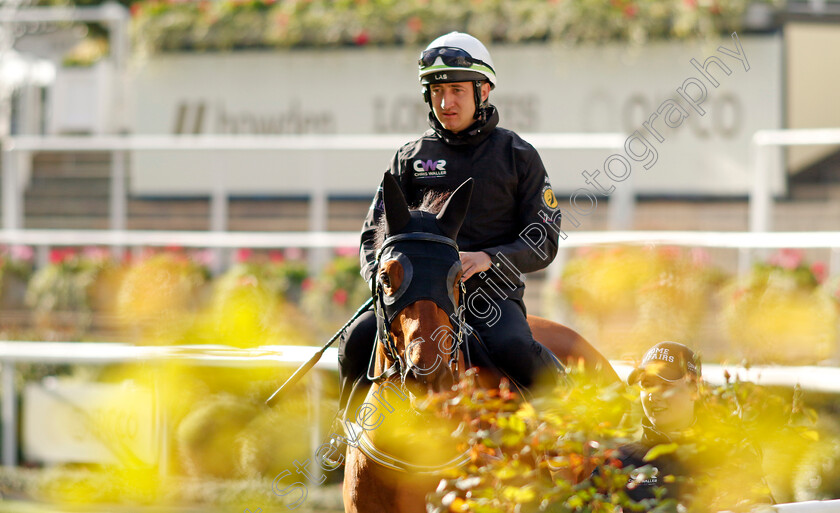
pixel 456 57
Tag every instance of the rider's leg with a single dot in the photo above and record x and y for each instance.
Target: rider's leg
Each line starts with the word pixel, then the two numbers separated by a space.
pixel 512 347
pixel 354 350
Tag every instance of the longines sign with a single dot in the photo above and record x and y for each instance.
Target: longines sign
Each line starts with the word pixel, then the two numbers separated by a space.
pixel 542 88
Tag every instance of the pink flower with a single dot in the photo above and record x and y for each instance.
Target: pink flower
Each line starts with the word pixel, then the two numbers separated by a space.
pixel 361 38
pixel 787 258
pixel 294 253
pixel 243 255
pixel 276 256
pixel 340 296
pixel 669 252
pixel 630 11
pixel 306 284
pixel 204 257
pixel 415 24
pixel 58 256
pixel 700 257
pixel 22 253
pixel 819 270
pixel 96 253
pixel 346 252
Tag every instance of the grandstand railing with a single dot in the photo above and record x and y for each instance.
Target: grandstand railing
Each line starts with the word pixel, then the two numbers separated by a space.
pixel 16 164
pixel 744 242
pixel 819 379
pixel 761 197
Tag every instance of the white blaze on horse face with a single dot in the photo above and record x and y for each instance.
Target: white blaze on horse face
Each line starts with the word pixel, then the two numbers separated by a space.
pixel 419 323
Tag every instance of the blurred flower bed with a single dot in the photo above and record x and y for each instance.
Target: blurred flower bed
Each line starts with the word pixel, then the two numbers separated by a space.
pixel 781 312
pixel 626 298
pixel 168 296
pixel 167 25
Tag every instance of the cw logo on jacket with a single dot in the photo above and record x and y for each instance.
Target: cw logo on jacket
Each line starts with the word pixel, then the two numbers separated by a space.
pixel 429 168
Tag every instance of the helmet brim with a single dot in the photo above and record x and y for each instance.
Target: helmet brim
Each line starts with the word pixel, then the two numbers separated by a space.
pixel 449 75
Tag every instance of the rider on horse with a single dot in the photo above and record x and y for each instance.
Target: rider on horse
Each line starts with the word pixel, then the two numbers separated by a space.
pixel 511 226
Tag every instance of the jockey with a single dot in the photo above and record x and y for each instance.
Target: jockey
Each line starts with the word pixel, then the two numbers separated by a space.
pixel 509 228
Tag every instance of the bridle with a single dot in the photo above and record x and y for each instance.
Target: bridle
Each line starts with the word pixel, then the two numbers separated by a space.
pixel 420 281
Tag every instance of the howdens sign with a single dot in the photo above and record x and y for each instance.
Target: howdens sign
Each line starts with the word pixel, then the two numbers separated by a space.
pixel 542 88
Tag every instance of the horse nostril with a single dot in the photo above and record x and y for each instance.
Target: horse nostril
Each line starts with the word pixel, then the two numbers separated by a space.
pixel 444 381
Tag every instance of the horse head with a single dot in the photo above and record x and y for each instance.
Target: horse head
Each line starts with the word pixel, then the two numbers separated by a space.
pixel 418 289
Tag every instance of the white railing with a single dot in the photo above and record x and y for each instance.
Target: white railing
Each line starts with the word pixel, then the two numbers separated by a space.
pixel 17 149
pixel 761 199
pixel 821 379
pixel 80 353
pixel 15 163
pixel 742 241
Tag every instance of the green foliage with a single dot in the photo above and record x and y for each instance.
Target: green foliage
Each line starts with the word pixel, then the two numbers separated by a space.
pixel 537 457
pixel 541 457
pixel 64 293
pixel 15 271
pixel 280 277
pixel 331 297
pixel 208 437
pixel 232 24
pixel 157 294
pixel 633 295
pixel 780 312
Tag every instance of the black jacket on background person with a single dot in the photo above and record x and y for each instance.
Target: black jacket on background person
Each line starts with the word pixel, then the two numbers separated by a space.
pixel 665 465
pixel 716 475
pixel 511 192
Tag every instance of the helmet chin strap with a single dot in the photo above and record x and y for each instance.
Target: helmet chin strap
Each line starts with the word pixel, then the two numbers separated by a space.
pixel 477 96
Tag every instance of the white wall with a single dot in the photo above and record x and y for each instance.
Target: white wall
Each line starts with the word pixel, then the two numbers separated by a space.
pixel 542 88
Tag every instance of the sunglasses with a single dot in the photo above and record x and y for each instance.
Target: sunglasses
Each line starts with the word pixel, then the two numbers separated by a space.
pixel 453 57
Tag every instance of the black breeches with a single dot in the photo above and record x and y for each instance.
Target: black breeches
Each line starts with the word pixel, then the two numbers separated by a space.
pixel 507 336
pixel 354 350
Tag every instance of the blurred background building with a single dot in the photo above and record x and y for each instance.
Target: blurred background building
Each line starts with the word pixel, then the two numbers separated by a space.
pixel 287 68
pixel 247 137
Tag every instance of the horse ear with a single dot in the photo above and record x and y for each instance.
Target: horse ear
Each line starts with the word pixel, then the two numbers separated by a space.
pixel 452 214
pixel 396 208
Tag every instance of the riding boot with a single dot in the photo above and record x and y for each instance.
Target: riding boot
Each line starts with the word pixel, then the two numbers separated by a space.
pixel 354 352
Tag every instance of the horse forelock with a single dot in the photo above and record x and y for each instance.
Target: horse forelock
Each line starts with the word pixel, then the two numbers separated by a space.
pixel 431 203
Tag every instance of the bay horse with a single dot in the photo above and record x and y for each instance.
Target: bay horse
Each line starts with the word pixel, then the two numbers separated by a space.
pixel 396 457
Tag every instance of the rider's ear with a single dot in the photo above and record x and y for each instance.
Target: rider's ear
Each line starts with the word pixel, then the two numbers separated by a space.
pixel 452 214
pixel 396 208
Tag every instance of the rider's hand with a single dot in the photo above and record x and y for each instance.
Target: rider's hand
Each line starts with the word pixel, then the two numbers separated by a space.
pixel 474 262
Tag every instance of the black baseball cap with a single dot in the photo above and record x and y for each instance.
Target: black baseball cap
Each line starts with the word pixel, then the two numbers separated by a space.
pixel 670 361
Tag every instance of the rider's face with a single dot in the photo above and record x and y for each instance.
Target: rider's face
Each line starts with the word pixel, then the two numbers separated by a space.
pixel 454 104
pixel 668 405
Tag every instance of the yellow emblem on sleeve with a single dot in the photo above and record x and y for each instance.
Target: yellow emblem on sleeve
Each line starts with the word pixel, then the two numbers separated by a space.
pixel 548 198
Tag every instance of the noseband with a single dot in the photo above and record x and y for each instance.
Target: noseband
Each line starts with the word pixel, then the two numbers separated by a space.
pixel 423 266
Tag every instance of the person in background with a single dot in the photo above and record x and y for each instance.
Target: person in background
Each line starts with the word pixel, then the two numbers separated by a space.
pixel 684 454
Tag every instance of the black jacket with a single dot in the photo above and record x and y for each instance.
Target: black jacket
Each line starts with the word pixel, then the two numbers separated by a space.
pixel 698 462
pixel 644 487
pixel 512 211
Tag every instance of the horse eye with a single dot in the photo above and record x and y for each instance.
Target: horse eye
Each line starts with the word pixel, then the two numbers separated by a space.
pixel 386 281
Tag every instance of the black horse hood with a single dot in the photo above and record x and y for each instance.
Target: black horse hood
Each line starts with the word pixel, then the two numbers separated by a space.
pixel 399 219
pixel 424 246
